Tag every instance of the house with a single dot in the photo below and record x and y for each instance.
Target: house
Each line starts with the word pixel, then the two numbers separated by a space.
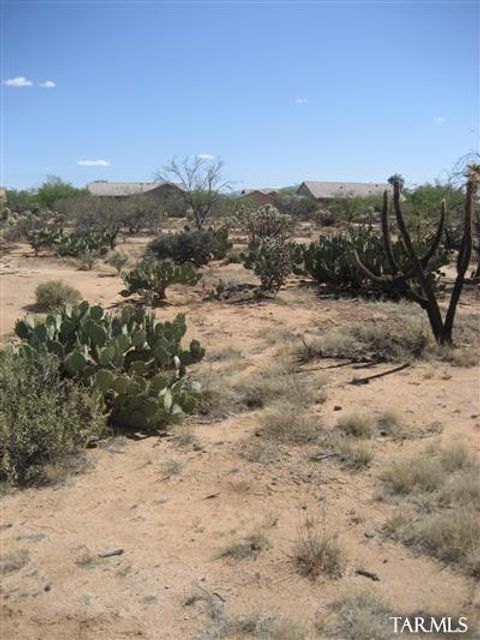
pixel 325 191
pixel 259 197
pixel 161 191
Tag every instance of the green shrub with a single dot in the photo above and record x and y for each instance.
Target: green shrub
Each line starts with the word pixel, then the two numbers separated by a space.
pixel 197 246
pixel 117 260
pixel 55 294
pixel 43 419
pixel 136 362
pixel 151 277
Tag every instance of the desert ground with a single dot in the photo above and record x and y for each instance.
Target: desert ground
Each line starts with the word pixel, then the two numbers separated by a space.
pixel 193 534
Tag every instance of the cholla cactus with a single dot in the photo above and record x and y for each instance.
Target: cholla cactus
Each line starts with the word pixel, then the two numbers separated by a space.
pixel 265 222
pixel 272 264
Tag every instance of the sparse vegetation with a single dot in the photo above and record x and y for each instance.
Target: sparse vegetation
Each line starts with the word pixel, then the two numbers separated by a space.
pixel 13 561
pixel 286 422
pixel 55 294
pixel 444 488
pixel 317 553
pixel 117 260
pixel 43 419
pixel 358 425
pixel 362 616
pixel 246 548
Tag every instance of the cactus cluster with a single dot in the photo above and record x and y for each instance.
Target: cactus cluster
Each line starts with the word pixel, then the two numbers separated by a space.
pixel 151 277
pixel 330 261
pixel 136 362
pixel 76 244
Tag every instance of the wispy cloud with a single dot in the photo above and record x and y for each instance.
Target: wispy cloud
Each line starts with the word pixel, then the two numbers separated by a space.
pixel 206 156
pixel 93 163
pixel 48 84
pixel 301 100
pixel 20 81
pixel 439 120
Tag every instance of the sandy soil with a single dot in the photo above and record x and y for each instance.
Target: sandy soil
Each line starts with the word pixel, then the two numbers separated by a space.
pixel 171 527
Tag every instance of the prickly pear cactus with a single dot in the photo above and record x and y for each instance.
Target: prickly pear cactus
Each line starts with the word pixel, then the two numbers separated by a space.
pixel 135 361
pixel 151 277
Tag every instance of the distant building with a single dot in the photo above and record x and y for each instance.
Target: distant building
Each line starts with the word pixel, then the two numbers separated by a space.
pixel 157 190
pixel 3 197
pixel 259 197
pixel 325 191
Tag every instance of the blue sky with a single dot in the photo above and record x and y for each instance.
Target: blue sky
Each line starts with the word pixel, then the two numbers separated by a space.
pixel 281 91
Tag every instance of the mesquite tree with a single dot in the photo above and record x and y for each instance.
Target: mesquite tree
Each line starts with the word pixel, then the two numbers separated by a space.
pixel 414 280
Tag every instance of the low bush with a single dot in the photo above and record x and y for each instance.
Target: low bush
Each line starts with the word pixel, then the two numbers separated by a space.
pixel 43 419
pixel 55 294
pixel 196 246
pixel 117 260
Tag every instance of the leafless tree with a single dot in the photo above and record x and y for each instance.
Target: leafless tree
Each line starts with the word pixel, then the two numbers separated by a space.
pixel 201 180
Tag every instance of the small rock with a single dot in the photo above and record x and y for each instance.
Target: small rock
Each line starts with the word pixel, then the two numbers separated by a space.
pixel 370 533
pixel 48 586
pixel 337 407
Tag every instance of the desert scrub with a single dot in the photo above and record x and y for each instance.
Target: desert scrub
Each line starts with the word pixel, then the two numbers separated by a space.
pixel 317 552
pixel 246 548
pixel 361 616
pixel 358 425
pixel 117 260
pixel 277 382
pixel 289 423
pixel 428 471
pixel 43 419
pixel 442 488
pixel 55 294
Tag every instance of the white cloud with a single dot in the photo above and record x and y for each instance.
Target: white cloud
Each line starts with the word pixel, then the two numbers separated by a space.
pixel 48 84
pixel 301 100
pixel 20 81
pixel 93 163
pixel 439 120
pixel 206 156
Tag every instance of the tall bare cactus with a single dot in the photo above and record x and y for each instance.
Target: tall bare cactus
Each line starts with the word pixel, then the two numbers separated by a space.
pixel 413 280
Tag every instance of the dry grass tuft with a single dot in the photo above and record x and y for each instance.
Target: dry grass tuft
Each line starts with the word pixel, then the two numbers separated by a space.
pixel 247 548
pixel 289 423
pixel 13 561
pixel 358 425
pixel 259 451
pixel 389 423
pixel 185 437
pixel 276 336
pixel 172 467
pixel 361 616
pixel 355 455
pixel 317 553
pixel 427 471
pixel 451 535
pixel 444 488
pixel 276 383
